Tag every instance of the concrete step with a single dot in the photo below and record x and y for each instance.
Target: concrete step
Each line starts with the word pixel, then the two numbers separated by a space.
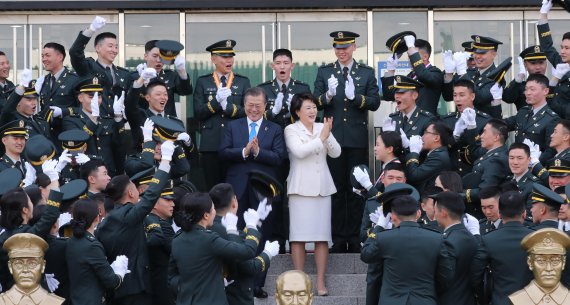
pixel 345 263
pixel 347 285
pixel 329 300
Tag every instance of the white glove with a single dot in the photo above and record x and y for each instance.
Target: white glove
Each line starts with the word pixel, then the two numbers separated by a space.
pixel 560 70
pixel 472 224
pixel 460 59
pixel 388 125
pixel 469 117
pixel 251 218
pixel 64 159
pixel 119 104
pixel 97 23
pixel 520 77
pixel 392 62
pixel 223 93
pixel 180 63
pixel 148 74
pixel 460 126
pixel 416 144
pixel 95 105
pixel 534 151
pixel 121 266
pixel 289 99
pixel 82 158
pixel 349 89
pixel 56 111
pixel 227 283
pixel 263 209
pixel 332 84
pixel 546 6
pixel 404 138
pixel 448 62
pixel 52 282
pixel 63 219
pixel 141 68
pixel 39 83
pixel 25 78
pixel 271 248
pixel 30 177
pixel 362 177
pixel 230 223
pixel 357 192
pixel 49 168
pixel 166 150
pixel 278 104
pixel 410 41
pixel 497 91
pixel 147 129
pixel 381 220
pixel 185 138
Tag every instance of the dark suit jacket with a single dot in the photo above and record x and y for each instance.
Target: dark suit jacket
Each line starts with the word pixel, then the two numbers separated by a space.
pixel 423 175
pixel 174 85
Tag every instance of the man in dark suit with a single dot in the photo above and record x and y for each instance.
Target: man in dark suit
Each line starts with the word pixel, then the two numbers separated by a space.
pixel 459 246
pixel 407 278
pixel 500 251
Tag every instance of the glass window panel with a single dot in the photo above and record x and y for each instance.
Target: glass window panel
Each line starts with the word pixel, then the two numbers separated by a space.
pixel 7 34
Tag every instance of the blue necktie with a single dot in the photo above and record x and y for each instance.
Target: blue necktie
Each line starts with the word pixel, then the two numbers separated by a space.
pixel 252 132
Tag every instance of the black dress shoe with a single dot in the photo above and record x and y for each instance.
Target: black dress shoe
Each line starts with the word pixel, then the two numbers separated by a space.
pixel 259 293
pixel 338 248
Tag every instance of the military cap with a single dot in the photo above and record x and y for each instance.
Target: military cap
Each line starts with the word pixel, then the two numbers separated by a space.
pixel 185 184
pixel 169 49
pixel 89 84
pixel 38 150
pixel 541 193
pixel 533 53
pixel 264 184
pixel 166 129
pixel 403 83
pixel 355 184
pixel 25 245
pixel 482 44
pixel 73 140
pixel 224 48
pixel 16 128
pixel 546 241
pixel 343 39
pixel 396 43
pixel 167 191
pixel 498 74
pixel 73 190
pixel 30 90
pixel 567 192
pixel 468 46
pixel 10 178
pixel 143 177
pixel 559 168
pixel 394 191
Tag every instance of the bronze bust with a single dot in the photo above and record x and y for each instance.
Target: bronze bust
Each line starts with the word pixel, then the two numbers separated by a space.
pixel 294 287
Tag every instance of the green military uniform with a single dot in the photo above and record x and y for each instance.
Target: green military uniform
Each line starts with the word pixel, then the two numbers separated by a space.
pixel 486 226
pixel 159 235
pixel 57 266
pixel 543 194
pixel 6 162
pixel 425 222
pixel 540 171
pixel 89 271
pixel 35 124
pixel 524 184
pixel 374 272
pixel 422 175
pixel 272 88
pixel 465 149
pixel 114 79
pixel 430 75
pixel 145 159
pixel 489 170
pixel 5 91
pixel 61 93
pixel 417 123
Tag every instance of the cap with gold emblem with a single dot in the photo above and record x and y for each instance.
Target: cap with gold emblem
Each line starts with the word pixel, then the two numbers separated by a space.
pixel 394 191
pixel 498 74
pixel 224 48
pixel 546 241
pixel 542 194
pixel 15 128
pixel 467 46
pixel 10 178
pixel 30 90
pixel 38 150
pixel 396 44
pixel 482 44
pixel 89 84
pixel 73 189
pixel 266 185
pixel 343 39
pixel 143 177
pixel 559 168
pixel 403 83
pixel 166 129
pixel 73 140
pixel 169 49
pixel 168 190
pixel 533 53
pixel 25 245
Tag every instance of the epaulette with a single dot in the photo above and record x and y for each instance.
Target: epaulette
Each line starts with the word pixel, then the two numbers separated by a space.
pixel 483 114
pixel 61 238
pixel 135 74
pixel 551 112
pixel 534 178
pixel 395 113
pixel 484 220
pixel 425 112
pixel 449 115
pixel 327 65
pixel 178 233
pixel 205 75
pixel 430 229
pixel 90 238
pixel 361 65
pixel 239 75
pixel 298 82
pixel 269 82
pixel 122 69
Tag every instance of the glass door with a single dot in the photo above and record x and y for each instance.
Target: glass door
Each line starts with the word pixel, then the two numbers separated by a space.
pixel 14 40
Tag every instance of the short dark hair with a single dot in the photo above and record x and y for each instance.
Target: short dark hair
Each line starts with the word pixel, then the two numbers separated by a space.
pixel 520 146
pixel 2 53
pixel 451 181
pixel 193 208
pixel 444 132
pixel 254 91
pixel 566 36
pixel 499 127
pixel 490 192
pixel 423 45
pixel 452 202
pixel 154 83
pixel 283 52
pixel 297 102
pixel 102 37
pixel 465 83
pixel 405 206
pixel 35 194
pixel 395 166
pixel 149 45
pixel 565 124
pixel 394 140
pixel 56 46
pixel 511 204
pixel 538 78
pixel 222 195
pixel 84 213
pixel 37 214
pixel 89 168
pixel 116 187
pixel 11 205
pixel 430 191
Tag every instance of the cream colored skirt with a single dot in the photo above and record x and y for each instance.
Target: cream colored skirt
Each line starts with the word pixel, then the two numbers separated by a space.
pixel 309 218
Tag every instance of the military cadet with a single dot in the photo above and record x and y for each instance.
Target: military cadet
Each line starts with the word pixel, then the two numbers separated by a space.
pixel 467 125
pixel 519 161
pixel 427 219
pixel 95 173
pixel 489 170
pixel 545 207
pixel 113 78
pixel 490 207
pixel 159 235
pixel 409 118
pixel 90 273
pixel 558 173
pixel 122 231
pixel 38 151
pixel 106 134
pixel 6 86
pixel 406 278
pixel 560 142
pixel 484 53
pixel 435 140
pixel 458 249
pixel 74 144
pixel 218 98
pixel 157 54
pixel 533 60
pixel 14 136
pixel 501 251
pixel 468 51
pixel 419 52
pixel 143 178
pixel 346 91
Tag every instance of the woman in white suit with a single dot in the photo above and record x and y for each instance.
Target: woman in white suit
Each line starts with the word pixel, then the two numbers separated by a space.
pixel 310 184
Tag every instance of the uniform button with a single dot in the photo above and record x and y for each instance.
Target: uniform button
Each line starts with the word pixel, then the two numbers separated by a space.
pixel 344 109
pixel 345 120
pixel 222 125
pixel 223 115
pixel 345 99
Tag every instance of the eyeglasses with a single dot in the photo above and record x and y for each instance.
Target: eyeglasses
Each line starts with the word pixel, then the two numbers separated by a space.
pixel 433 133
pixel 25 263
